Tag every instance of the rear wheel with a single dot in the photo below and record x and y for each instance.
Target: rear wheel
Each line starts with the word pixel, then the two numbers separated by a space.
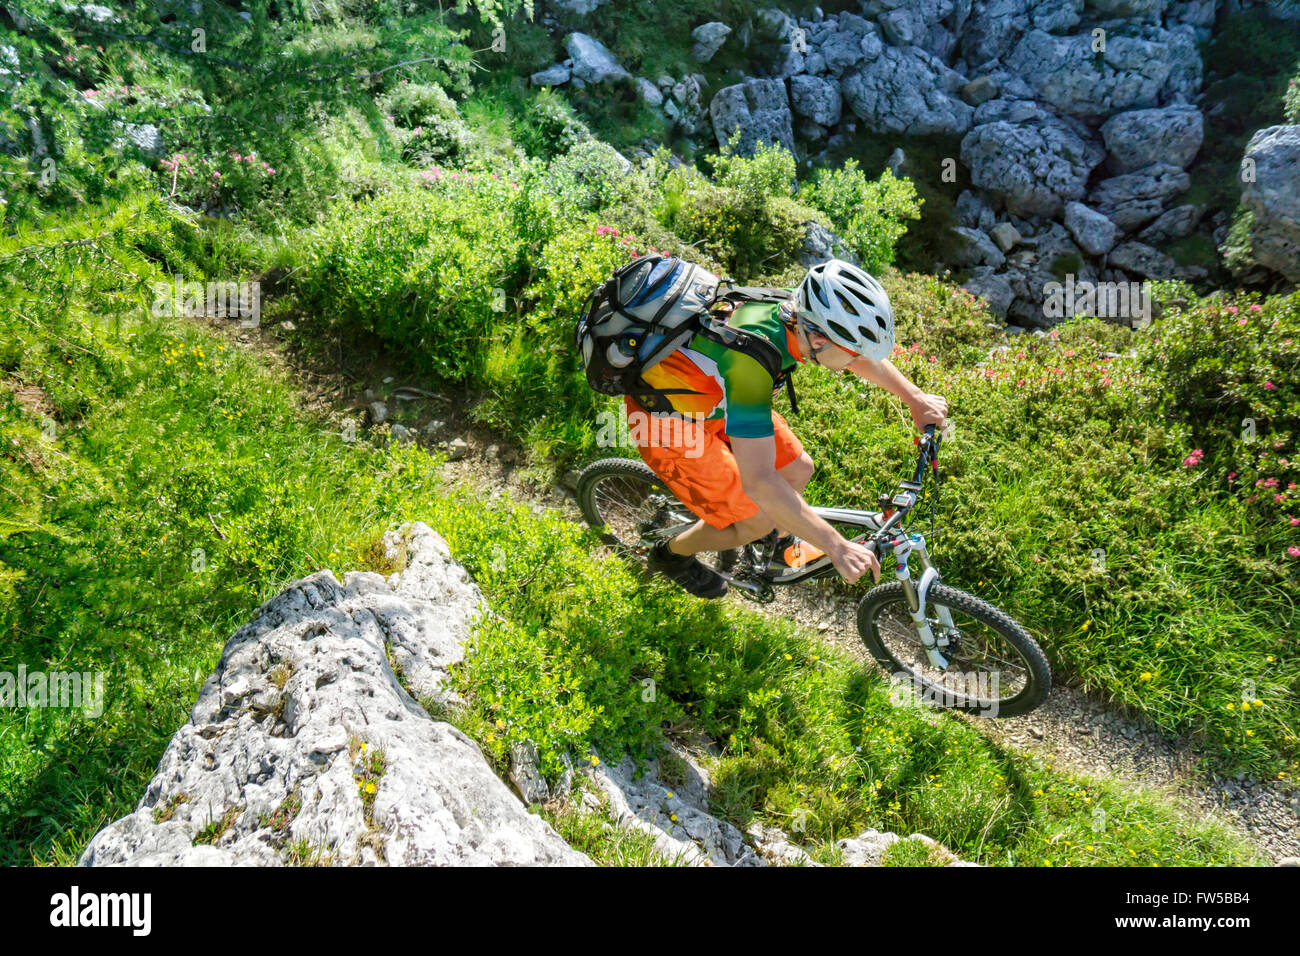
pixel 631 508
pixel 995 669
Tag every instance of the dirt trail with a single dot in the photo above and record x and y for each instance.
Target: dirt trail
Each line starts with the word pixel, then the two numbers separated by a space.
pixel 1075 731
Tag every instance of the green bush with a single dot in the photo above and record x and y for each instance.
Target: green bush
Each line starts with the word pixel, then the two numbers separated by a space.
pixel 743 216
pixel 432 128
pixel 1228 369
pixel 868 216
pixel 549 126
pixel 593 176
pixel 430 271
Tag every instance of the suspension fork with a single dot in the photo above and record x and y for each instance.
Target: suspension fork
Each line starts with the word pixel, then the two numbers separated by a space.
pixel 915 593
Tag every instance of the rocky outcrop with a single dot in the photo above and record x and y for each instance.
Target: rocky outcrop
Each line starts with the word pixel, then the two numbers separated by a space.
pixel 906 90
pixel 1135 72
pixel 592 61
pixel 1139 138
pixel 816 99
pixel 304 745
pixel 708 38
pixel 759 109
pixel 1271 191
pixel 1033 160
pixel 1094 233
pixel 1134 199
pixel 1077 118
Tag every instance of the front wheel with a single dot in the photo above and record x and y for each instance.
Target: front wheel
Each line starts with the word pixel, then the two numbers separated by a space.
pixel 995 669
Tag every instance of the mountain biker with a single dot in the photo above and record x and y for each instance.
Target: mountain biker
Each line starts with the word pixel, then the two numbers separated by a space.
pixel 746 478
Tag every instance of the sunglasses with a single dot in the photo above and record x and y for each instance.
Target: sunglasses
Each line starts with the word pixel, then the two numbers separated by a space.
pixel 843 360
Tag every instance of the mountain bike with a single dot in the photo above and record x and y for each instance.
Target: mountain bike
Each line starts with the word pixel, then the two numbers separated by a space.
pixel 954 649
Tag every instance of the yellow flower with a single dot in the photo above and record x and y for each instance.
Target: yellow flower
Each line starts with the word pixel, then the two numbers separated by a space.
pixel 1245 706
pixel 370 788
pixel 501 724
pixel 1145 675
pixel 595 761
pixel 1086 624
pixel 1250 733
pixel 1269 658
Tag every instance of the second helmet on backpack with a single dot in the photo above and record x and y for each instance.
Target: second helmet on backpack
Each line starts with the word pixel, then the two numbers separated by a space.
pixel 849 307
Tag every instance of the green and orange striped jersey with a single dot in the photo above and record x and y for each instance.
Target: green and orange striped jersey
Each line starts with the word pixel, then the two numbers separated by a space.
pixel 725 383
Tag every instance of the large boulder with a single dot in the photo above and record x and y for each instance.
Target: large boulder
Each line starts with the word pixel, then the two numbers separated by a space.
pixel 1094 233
pixel 557 74
pixel 759 108
pixel 993 288
pixel 816 99
pixel 853 40
pixel 1272 194
pixel 579 7
pixel 1033 160
pixel 304 742
pixel 1139 138
pixel 975 248
pixel 592 61
pixel 908 91
pixel 1142 260
pixel 1135 72
pixel 1150 9
pixel 820 244
pixel 995 26
pixel 708 38
pixel 1173 224
pixel 1134 199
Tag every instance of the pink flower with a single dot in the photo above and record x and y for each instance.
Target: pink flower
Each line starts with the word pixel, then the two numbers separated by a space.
pixel 215 174
pixel 1269 387
pixel 1232 309
pixel 1256 308
pixel 1241 321
pixel 1295 521
pixel 1293 551
pixel 1232 475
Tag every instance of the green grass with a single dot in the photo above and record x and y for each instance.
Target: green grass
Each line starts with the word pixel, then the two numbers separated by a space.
pixel 809 734
pixel 180 488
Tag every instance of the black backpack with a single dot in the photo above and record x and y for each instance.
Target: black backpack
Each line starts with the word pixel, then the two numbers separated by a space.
pixel 653 306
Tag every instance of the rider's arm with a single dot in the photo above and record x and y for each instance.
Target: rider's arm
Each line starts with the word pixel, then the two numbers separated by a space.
pixel 926 409
pixel 756 461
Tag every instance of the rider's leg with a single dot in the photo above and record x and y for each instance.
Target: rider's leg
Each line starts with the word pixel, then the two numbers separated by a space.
pixel 798 473
pixel 702 536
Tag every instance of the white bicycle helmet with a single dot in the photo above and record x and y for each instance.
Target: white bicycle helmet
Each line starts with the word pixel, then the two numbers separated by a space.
pixel 849 307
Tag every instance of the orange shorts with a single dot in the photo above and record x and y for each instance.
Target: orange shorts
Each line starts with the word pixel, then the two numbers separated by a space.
pixel 700 468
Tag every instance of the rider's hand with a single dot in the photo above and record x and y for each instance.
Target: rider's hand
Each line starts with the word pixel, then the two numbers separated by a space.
pixel 928 409
pixel 852 559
